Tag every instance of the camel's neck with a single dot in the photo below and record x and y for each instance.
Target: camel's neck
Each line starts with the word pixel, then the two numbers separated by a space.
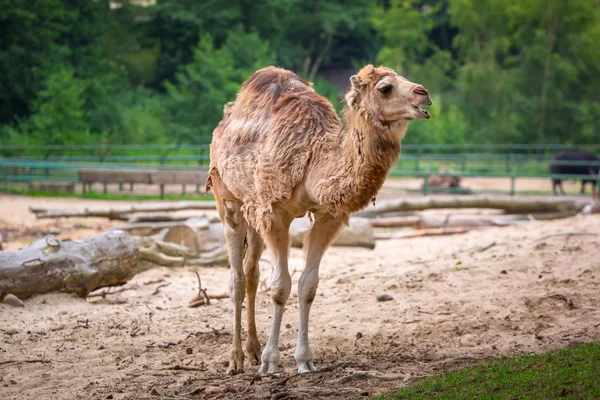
pixel 369 150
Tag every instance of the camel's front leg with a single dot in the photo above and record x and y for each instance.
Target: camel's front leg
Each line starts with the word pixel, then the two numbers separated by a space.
pixel 252 272
pixel 316 242
pixel 235 232
pixel 281 284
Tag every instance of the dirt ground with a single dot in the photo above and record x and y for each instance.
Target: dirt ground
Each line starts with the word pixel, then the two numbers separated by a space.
pixel 533 290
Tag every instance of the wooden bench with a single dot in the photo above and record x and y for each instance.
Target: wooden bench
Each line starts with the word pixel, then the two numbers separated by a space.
pixel 183 178
pixel 160 177
pixel 120 176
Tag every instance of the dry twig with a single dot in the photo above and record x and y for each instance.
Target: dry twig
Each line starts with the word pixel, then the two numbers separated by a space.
pixel 157 290
pixel 107 292
pixel 567 234
pixel 12 362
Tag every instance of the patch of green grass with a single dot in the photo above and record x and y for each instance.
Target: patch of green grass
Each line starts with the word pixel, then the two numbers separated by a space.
pixel 108 196
pixel 570 373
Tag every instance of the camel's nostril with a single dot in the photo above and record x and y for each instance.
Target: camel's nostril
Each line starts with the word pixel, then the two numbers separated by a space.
pixel 421 90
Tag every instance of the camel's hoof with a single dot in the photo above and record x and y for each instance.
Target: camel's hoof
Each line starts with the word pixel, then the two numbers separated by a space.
pixel 253 353
pixel 268 368
pixel 234 369
pixel 306 367
pixel 236 364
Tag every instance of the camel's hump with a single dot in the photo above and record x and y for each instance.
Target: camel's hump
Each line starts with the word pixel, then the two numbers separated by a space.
pixel 273 102
pixel 270 83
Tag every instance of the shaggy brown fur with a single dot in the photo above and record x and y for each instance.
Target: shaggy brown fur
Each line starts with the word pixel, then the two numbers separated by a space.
pixel 280 132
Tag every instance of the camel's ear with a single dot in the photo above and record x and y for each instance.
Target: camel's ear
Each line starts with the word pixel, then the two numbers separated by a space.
pixel 354 92
pixel 355 81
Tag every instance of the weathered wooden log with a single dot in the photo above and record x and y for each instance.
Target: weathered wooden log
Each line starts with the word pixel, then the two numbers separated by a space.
pixel 450 220
pixel 218 256
pixel 122 213
pixel 199 234
pixel 154 254
pixel 78 266
pixel 359 233
pixel 421 233
pixel 509 204
pixel 137 218
pixel 145 228
pixel 593 208
pixel 395 222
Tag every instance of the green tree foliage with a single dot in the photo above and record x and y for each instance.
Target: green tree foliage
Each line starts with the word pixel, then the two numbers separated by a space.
pixel 195 102
pixel 130 71
pixel 29 44
pixel 58 114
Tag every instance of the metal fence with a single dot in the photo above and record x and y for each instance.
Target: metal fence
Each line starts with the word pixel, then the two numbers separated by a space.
pixel 61 163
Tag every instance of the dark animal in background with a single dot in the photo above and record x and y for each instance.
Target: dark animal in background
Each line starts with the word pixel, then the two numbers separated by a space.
pixel 579 156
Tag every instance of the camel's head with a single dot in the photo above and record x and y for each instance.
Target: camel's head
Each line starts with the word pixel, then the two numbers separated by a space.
pixel 387 96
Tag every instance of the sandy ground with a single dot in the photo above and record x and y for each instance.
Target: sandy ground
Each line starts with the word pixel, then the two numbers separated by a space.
pixel 536 289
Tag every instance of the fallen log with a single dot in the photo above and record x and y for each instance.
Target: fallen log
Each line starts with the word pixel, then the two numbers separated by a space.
pixel 78 266
pixel 514 205
pixel 358 233
pixel 450 220
pixel 137 218
pixel 421 233
pixel 145 228
pixel 593 208
pixel 122 213
pixel 199 234
pixel 395 222
pixel 155 253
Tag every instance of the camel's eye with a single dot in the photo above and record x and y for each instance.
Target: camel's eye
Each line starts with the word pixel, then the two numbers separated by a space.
pixel 385 89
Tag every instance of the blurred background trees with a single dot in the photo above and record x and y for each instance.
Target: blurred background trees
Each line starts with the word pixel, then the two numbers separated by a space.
pixel 91 72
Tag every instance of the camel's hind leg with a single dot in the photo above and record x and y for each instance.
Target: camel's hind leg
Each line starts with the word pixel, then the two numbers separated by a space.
pixel 316 242
pixel 235 232
pixel 252 272
pixel 281 284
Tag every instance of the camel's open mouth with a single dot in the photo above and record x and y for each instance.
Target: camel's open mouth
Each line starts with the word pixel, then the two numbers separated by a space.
pixel 424 112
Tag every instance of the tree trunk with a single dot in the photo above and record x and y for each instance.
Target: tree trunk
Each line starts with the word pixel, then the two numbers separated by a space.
pixel 513 205
pixel 551 36
pixel 123 213
pixel 358 234
pixel 78 266
pixel 137 218
pixel 421 233
pixel 449 220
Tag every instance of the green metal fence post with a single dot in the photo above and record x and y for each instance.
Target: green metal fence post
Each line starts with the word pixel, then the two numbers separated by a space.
pixel 425 185
pixel 417 160
pixel 513 177
pixel 463 163
pixel 5 178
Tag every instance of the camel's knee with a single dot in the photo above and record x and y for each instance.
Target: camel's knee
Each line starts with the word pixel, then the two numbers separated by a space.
pixel 232 213
pixel 280 290
pixel 307 285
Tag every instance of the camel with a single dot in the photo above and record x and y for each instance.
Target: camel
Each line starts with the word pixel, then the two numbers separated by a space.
pixel 281 152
